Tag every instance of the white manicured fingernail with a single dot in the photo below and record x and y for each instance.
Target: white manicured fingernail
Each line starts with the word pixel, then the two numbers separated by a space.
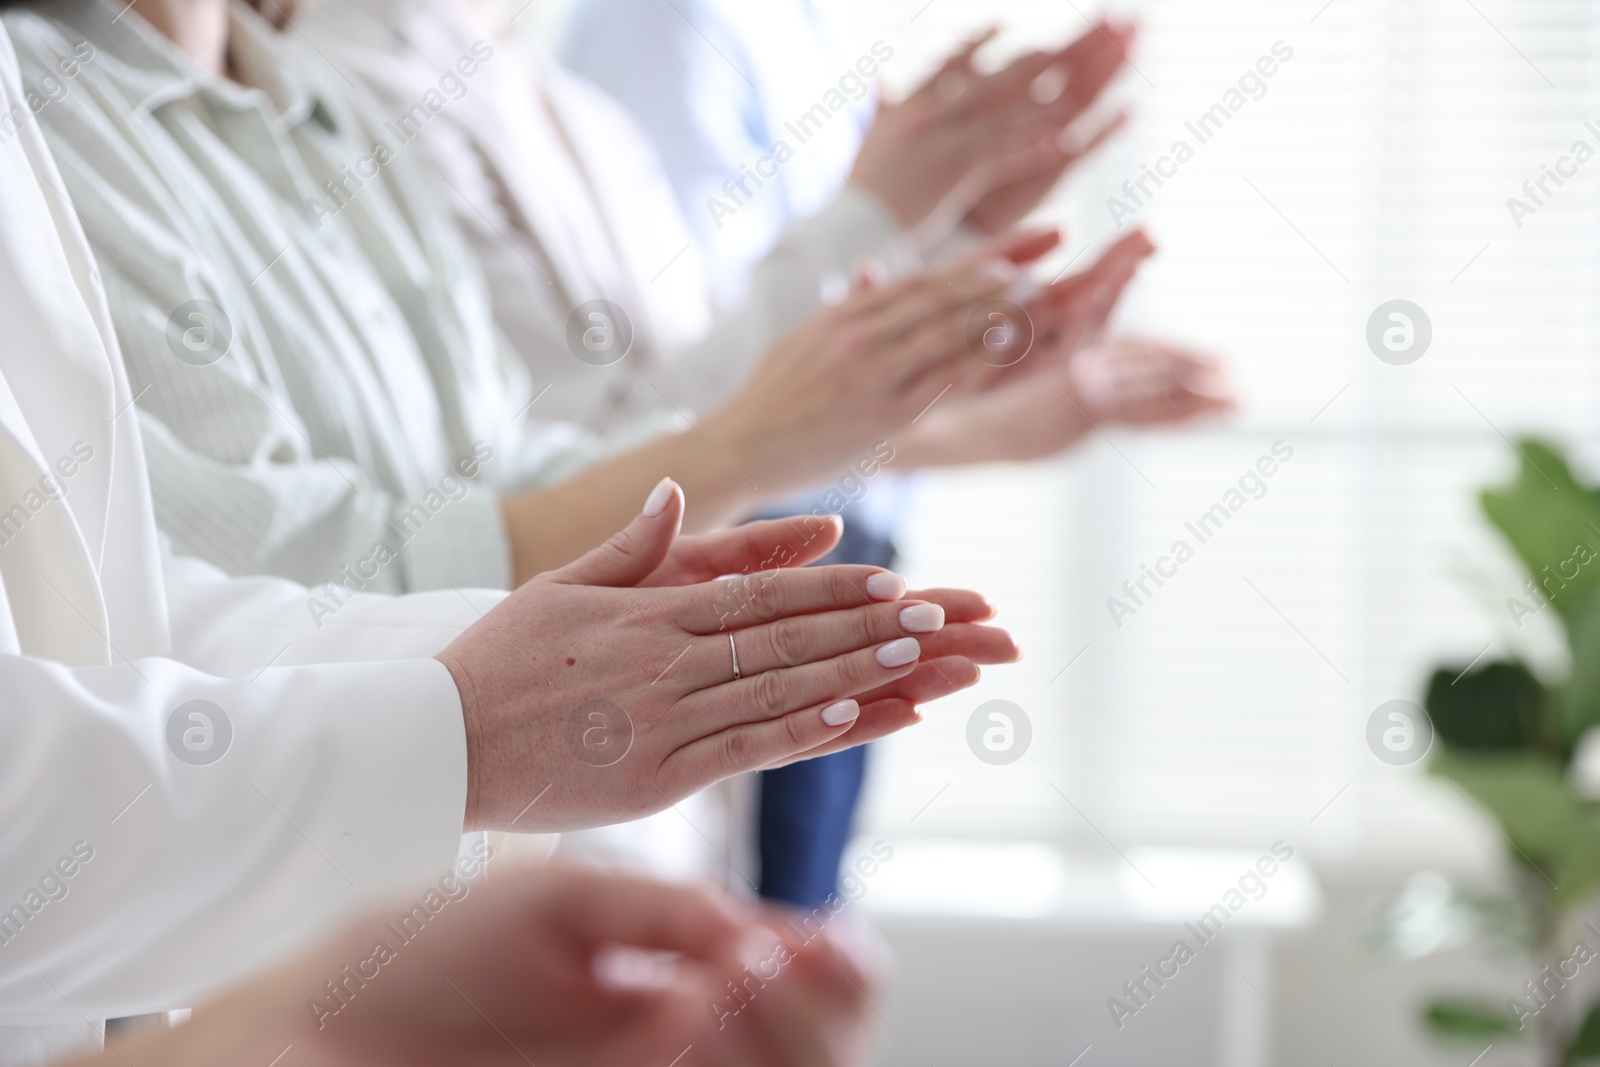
pixel 899 653
pixel 886 585
pixel 657 501
pixel 841 713
pixel 922 618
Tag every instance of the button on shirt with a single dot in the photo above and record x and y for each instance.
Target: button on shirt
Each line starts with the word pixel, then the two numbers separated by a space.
pixel 321 388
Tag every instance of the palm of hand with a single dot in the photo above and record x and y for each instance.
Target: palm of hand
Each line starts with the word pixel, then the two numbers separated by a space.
pixel 1143 382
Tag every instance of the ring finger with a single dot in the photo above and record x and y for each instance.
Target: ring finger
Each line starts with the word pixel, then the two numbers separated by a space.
pixel 774 693
pixel 803 639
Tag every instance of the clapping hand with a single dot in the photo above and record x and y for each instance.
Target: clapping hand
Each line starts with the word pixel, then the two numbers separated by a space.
pixel 988 147
pixel 606 699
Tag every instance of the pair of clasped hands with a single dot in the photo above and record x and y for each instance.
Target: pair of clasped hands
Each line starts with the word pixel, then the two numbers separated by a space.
pixel 637 640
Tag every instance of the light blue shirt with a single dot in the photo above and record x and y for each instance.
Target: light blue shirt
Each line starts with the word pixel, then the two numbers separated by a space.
pixel 718 84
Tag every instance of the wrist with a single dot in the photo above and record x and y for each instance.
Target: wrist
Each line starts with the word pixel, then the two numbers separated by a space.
pixel 251 1025
pixel 471 816
pixel 722 468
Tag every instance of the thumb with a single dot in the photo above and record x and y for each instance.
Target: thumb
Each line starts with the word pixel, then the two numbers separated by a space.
pixel 631 554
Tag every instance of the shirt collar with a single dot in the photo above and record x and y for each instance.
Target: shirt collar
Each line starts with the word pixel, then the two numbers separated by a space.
pixel 263 59
pixel 154 72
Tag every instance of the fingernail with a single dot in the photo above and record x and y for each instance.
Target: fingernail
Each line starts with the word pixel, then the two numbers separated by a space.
pixel 886 585
pixel 841 713
pixel 656 503
pixel 922 618
pixel 899 653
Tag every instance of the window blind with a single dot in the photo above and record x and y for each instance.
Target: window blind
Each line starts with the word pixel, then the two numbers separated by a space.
pixel 1374 164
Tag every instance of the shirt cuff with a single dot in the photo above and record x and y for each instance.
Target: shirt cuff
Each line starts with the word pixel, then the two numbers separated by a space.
pixel 854 226
pixel 463 544
pixel 390 815
pixel 961 240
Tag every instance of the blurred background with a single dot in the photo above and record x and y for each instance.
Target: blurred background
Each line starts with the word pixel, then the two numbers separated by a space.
pixel 1165 755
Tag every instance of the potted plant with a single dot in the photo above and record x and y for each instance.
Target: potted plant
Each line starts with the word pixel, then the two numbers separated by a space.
pixel 1506 738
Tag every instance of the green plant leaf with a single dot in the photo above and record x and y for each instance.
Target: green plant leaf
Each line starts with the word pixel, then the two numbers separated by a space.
pixel 1546 515
pixel 1580 696
pixel 1528 796
pixel 1430 914
pixel 1585 1044
pixel 1498 706
pixel 1578 874
pixel 1464 1018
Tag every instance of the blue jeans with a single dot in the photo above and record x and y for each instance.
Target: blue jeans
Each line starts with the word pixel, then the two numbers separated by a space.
pixel 807 809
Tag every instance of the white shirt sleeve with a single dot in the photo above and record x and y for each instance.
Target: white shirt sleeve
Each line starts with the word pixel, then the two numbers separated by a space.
pixel 142 866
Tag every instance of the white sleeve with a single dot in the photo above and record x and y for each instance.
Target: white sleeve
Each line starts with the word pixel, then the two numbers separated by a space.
pixel 141 866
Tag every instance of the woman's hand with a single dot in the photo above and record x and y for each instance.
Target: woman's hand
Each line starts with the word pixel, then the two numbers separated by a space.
pixel 950 661
pixel 589 701
pixel 824 394
pixel 1142 381
pixel 811 1004
pixel 857 373
pixel 747 549
pixel 949 657
pixel 1121 382
pixel 989 146
pixel 555 965
pixel 1020 186
pixel 1072 312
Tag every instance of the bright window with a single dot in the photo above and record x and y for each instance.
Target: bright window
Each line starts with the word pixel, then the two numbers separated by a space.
pixel 1375 164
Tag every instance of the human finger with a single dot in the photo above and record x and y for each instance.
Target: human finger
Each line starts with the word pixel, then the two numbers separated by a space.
pixel 958 65
pixel 629 556
pixel 1079 306
pixel 960 605
pixel 794 692
pixel 880 719
pixel 1092 61
pixel 596 908
pixel 869 275
pixel 753 546
pixel 933 679
pixel 801 639
pixel 896 706
pixel 747 746
pixel 943 357
pixel 1056 151
pixel 1122 256
pixel 1019 246
pixel 1075 144
pixel 963 286
pixel 864 303
pixel 1010 87
pixel 753 599
pixel 977 642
